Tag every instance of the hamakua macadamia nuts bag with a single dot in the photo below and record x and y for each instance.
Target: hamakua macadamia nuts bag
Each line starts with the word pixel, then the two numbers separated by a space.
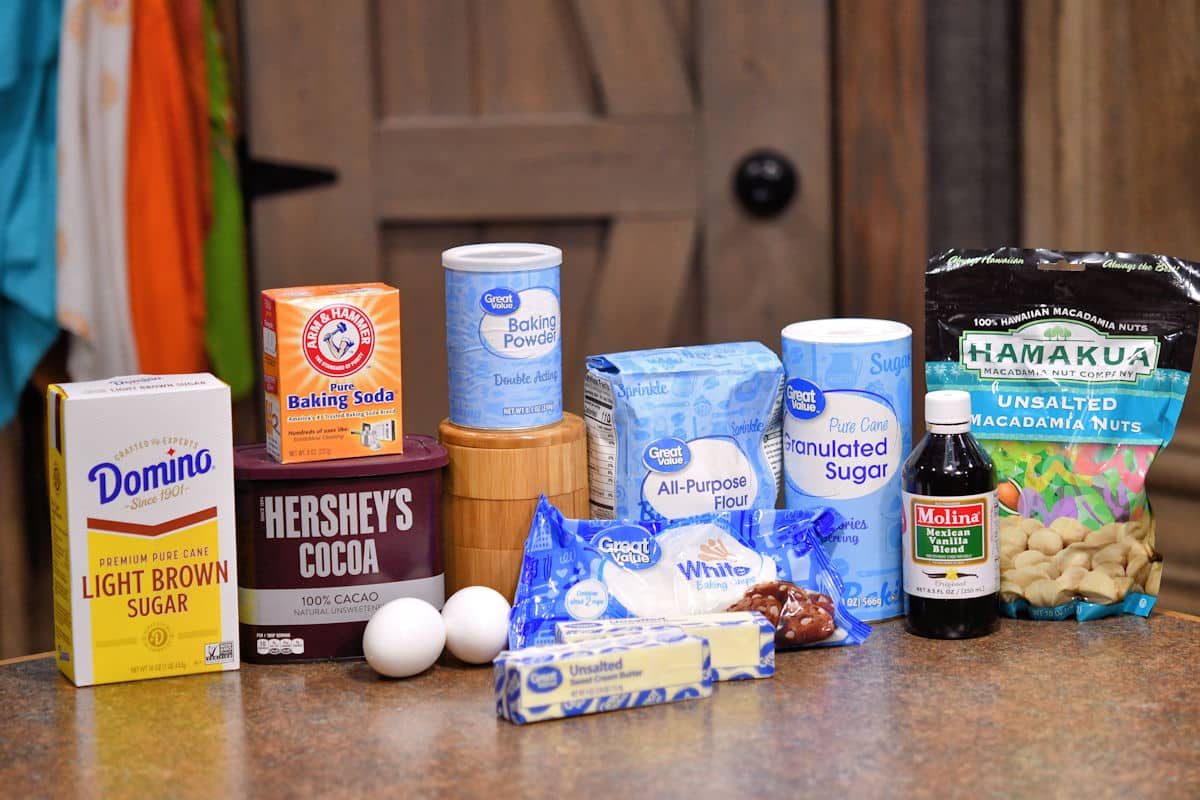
pixel 1077 365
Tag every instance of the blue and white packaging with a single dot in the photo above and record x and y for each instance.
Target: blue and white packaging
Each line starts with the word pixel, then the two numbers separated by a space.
pixel 847 429
pixel 504 335
pixel 610 569
pixel 681 431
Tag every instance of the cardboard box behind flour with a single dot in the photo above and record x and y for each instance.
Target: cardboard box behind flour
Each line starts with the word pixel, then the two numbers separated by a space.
pixel 142 523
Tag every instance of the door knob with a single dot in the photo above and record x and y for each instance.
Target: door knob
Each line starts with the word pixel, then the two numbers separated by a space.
pixel 764 182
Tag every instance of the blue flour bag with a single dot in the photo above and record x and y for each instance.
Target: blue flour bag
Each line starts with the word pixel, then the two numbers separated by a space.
pixel 757 560
pixel 681 431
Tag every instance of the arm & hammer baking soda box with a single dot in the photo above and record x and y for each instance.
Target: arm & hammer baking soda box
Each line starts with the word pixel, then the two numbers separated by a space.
pixel 331 371
pixel 140 472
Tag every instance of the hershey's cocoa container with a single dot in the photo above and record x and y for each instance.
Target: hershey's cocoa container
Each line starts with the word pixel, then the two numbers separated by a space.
pixel 322 545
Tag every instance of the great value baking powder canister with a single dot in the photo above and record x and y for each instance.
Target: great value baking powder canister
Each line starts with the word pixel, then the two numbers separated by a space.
pixel 322 545
pixel 847 428
pixel 504 335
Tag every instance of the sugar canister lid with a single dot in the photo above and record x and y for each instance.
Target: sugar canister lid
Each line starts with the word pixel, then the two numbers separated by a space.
pixel 252 462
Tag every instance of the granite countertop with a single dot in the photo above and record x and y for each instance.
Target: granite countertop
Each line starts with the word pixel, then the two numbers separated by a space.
pixel 1101 709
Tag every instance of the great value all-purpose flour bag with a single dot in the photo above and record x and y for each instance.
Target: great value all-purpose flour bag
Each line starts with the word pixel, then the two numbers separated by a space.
pixel 680 431
pixel 1077 365
pixel 758 560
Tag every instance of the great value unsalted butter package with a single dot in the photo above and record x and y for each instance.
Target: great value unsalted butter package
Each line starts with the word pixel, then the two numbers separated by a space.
pixel 331 371
pixel 741 643
pixel 140 472
pixel 567 680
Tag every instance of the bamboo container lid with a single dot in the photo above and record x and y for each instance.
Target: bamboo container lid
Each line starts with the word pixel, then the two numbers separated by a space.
pixel 491 489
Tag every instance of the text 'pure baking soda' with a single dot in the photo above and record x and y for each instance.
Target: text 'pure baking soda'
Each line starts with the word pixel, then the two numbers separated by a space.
pixel 142 527
pixel 847 424
pixel 331 371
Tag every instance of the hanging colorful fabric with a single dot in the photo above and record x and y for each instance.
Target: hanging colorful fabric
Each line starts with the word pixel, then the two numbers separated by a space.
pixel 165 195
pixel 227 327
pixel 28 79
pixel 93 111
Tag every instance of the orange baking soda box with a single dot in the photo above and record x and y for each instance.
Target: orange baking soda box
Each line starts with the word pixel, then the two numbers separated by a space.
pixel 331 371
pixel 140 473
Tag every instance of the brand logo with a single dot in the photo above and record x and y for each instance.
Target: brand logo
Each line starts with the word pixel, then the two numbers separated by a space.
pixel 338 340
pixel 803 398
pixel 950 516
pixel 667 455
pixel 630 546
pixel 499 301
pixel 544 679
pixel 1058 349
pixel 111 482
pixel 945 533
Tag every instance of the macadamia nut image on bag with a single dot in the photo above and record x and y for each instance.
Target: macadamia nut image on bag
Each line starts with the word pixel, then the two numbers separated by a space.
pixel 1077 365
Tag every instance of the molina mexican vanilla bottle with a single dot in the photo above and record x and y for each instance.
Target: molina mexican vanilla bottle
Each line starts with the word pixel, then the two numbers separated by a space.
pixel 951 537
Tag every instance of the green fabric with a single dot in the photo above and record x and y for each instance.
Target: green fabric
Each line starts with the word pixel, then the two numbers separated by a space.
pixel 227 335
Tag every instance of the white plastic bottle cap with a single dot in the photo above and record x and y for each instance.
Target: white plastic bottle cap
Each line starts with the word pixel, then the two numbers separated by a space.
pixel 947 407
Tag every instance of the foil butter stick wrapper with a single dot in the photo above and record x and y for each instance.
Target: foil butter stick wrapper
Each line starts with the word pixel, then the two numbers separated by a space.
pixel 568 680
pixel 741 643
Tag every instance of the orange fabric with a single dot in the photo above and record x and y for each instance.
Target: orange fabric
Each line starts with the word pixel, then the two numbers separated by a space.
pixel 188 18
pixel 164 197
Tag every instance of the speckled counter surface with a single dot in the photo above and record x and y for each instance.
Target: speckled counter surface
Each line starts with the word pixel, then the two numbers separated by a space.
pixel 1103 709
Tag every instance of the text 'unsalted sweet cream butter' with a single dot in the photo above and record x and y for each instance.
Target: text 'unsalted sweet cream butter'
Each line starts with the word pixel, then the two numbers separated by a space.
pixel 567 680
pixel 142 527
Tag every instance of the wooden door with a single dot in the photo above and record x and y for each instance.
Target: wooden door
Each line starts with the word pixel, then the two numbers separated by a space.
pixel 610 128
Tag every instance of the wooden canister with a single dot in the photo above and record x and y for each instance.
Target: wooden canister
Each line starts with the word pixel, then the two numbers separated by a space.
pixel 491 489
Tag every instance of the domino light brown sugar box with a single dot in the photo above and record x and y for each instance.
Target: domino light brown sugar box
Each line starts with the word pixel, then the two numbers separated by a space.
pixel 140 472
pixel 331 371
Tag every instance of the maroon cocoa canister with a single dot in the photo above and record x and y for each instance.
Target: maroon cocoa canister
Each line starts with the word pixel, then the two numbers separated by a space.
pixel 323 544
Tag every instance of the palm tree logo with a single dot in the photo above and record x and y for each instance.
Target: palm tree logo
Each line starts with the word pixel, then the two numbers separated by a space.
pixel 1058 333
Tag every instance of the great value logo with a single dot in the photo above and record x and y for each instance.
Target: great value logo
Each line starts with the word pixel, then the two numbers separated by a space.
pixel 666 455
pixel 630 546
pixel 499 301
pixel 1058 349
pixel 803 398
pixel 544 679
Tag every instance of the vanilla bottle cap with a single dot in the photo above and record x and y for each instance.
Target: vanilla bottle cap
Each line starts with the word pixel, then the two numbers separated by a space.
pixel 947 407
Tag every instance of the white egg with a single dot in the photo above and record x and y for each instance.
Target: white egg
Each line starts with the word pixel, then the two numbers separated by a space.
pixel 404 637
pixel 476 624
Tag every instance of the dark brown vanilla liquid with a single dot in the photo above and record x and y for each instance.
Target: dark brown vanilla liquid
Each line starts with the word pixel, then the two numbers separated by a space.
pixel 951 538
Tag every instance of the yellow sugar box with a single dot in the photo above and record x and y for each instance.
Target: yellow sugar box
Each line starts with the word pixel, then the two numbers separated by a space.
pixel 140 472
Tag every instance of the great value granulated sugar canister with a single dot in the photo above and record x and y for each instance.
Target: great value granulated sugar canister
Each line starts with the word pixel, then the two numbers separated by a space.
pixel 847 427
pixel 322 545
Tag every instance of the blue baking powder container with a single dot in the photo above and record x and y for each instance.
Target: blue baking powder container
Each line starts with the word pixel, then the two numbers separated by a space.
pixel 847 430
pixel 504 335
